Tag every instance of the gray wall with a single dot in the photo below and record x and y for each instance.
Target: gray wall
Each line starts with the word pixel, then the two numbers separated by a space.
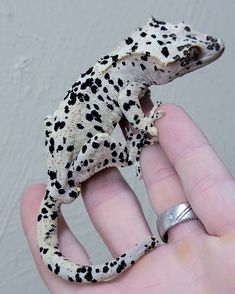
pixel 44 45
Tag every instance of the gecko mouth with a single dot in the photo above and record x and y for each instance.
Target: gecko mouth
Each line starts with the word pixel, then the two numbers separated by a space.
pixel 209 60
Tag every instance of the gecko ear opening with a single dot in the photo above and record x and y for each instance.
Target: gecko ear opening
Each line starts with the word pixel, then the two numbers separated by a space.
pixel 194 53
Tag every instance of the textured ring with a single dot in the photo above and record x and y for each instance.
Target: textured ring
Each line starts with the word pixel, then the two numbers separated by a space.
pixel 173 216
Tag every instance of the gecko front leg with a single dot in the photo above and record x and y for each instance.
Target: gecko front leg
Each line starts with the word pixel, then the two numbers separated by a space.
pixel 130 105
pixel 138 141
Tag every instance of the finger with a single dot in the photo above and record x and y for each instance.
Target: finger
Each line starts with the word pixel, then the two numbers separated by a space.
pixel 114 211
pixel 159 175
pixel 165 190
pixel 208 184
pixel 163 184
pixel 69 245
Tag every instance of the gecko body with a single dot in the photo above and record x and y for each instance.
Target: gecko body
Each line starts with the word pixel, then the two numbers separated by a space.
pixel 78 134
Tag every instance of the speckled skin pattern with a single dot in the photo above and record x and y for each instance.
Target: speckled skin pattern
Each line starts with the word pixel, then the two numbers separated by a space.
pixel 78 134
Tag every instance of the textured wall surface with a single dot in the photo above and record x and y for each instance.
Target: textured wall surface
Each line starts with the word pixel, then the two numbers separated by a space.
pixel 44 45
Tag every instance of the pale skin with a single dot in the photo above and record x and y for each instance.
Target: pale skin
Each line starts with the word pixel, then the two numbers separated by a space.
pixel 199 256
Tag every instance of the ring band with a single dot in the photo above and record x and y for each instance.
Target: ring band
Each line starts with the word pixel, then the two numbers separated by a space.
pixel 173 216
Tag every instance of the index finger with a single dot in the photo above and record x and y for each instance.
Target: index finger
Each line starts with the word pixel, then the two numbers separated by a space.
pixel 208 184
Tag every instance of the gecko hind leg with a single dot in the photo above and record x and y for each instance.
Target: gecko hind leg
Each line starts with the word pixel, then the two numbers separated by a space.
pixel 99 152
pixel 103 151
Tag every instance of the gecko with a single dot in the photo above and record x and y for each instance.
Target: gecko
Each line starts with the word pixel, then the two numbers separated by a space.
pixel 78 136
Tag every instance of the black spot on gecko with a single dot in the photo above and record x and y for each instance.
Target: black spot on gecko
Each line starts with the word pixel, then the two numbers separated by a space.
pixel 94 89
pixel 87 83
pixel 51 174
pixel 96 106
pixel 73 194
pixel 106 144
pixel 116 88
pixel 70 148
pixel 61 191
pixel 96 116
pixel 129 40
pixel 70 279
pixel 57 184
pixel 89 117
pixel 71 183
pixel 54 215
pixel 120 82
pixel 80 126
pixel 143 67
pixel 105 162
pixel 144 57
pixel 121 266
pixel 110 106
pixel 99 129
pixel 95 145
pixel 44 210
pixel 100 98
pixel 98 82
pixel 107 76
pixel 104 62
pixel 59 125
pixel 88 277
pixel 143 34
pixel 88 72
pixel 52 145
pixel 49 266
pixel 69 174
pixel 105 269
pixel 57 269
pixel 165 51
pixel 66 109
pixel 134 47
pixel 84 148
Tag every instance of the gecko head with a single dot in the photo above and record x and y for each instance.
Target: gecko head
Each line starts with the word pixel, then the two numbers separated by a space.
pixel 179 49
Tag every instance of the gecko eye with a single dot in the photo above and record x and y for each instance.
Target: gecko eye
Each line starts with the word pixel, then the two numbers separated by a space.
pixel 194 53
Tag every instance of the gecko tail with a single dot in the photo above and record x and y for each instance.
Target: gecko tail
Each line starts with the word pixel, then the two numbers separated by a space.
pixel 63 267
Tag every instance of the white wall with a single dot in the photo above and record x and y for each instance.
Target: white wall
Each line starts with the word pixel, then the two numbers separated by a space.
pixel 44 45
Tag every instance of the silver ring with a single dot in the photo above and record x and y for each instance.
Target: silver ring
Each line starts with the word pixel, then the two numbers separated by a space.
pixel 173 216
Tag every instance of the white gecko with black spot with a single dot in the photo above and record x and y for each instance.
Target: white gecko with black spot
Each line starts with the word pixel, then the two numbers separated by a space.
pixel 78 134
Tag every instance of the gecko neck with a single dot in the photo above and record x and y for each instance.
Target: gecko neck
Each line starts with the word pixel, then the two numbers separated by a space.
pixel 141 70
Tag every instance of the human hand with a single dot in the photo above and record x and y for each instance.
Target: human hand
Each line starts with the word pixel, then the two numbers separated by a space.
pixel 198 257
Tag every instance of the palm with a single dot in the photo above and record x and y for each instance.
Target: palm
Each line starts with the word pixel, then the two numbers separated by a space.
pixel 196 264
pixel 199 255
